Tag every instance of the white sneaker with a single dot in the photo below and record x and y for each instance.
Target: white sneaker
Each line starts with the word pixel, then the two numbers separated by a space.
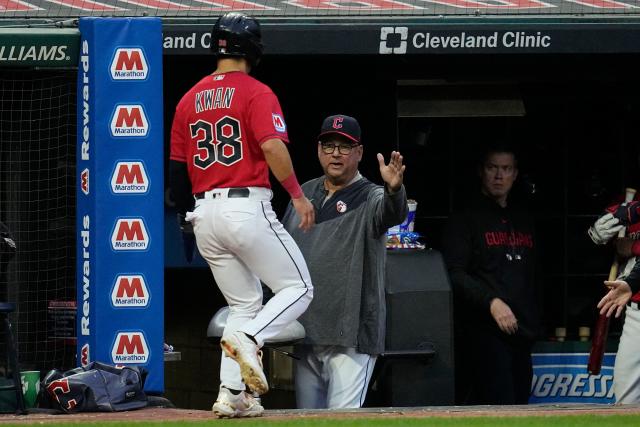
pixel 229 405
pixel 243 350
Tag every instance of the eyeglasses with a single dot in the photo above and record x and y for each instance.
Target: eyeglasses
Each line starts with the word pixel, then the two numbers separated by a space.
pixel 329 148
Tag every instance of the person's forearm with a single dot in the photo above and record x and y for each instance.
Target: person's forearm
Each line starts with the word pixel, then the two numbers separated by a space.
pixel 393 209
pixel 180 186
pixel 458 251
pixel 470 289
pixel 279 161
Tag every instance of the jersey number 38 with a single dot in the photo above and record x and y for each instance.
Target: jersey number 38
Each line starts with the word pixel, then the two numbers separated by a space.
pixel 220 142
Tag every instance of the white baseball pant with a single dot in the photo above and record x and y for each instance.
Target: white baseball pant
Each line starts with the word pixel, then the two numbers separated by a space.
pixel 244 243
pixel 332 377
pixel 626 371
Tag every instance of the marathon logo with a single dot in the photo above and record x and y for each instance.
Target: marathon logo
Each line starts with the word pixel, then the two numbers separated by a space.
pixel 85 357
pixel 278 123
pixel 130 291
pixel 129 120
pixel 129 64
pixel 84 181
pixel 130 347
pixel 130 234
pixel 129 178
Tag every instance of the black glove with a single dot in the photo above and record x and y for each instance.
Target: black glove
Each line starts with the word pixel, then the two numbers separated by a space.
pixel 188 238
pixel 627 213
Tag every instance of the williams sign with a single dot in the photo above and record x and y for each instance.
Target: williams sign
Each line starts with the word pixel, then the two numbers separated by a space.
pixel 29 47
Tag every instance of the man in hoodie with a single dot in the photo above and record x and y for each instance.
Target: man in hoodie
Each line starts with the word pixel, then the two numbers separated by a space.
pixel 489 250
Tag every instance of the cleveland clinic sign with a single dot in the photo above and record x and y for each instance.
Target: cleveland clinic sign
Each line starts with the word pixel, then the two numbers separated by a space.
pixel 395 40
pixel 370 38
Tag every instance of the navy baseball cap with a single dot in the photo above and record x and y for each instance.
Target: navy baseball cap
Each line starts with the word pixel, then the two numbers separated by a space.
pixel 343 125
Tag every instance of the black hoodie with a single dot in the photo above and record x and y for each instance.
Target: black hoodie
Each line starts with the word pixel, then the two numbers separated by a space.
pixel 489 251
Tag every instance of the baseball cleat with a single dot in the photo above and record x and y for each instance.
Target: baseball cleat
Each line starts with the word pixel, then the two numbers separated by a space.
pixel 229 405
pixel 243 350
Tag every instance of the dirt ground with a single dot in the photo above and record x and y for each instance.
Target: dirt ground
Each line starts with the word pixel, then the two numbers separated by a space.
pixel 173 414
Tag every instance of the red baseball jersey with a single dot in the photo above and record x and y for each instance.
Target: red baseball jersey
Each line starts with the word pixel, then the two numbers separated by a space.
pixel 218 128
pixel 632 231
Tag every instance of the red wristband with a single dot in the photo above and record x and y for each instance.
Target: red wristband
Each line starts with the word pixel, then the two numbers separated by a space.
pixel 635 248
pixel 291 185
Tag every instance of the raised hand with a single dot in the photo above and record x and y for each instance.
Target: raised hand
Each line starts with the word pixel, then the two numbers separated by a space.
pixel 392 173
pixel 616 299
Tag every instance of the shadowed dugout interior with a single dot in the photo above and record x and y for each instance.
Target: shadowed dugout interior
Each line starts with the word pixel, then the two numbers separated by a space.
pixel 571 117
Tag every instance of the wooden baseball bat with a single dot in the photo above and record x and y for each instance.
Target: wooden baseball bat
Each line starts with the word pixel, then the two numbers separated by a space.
pixel 599 340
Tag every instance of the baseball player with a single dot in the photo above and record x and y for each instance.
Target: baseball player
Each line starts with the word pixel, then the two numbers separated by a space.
pixel 345 324
pixel 228 131
pixel 623 293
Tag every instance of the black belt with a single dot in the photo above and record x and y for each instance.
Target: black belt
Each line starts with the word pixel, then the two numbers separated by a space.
pixel 231 193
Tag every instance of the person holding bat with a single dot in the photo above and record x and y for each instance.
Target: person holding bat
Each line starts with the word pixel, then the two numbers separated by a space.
pixel 623 294
pixel 489 251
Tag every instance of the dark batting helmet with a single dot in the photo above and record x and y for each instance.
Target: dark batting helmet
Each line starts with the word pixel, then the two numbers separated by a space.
pixel 237 35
